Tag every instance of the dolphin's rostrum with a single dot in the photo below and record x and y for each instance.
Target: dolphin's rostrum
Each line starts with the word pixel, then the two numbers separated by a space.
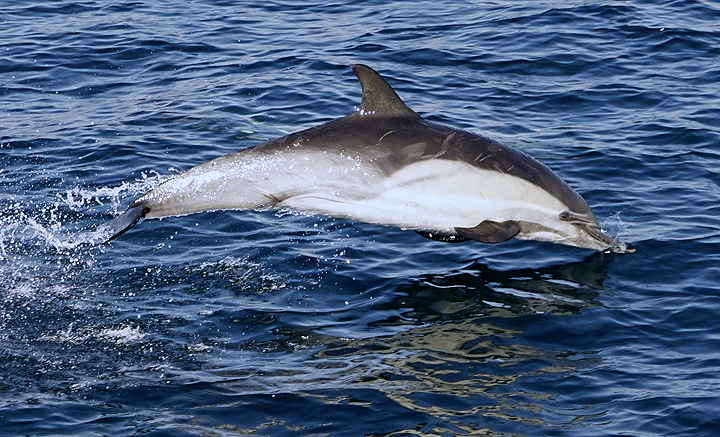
pixel 385 164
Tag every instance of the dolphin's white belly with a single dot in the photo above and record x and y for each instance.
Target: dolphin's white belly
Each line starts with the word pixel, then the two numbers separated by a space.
pixel 434 195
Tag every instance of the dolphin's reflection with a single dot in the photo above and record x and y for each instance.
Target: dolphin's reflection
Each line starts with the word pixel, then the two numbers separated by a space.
pixel 461 363
pixel 479 290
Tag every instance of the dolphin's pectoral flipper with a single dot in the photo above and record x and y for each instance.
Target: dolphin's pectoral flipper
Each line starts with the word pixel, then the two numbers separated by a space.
pixel 127 220
pixel 491 232
pixel 442 237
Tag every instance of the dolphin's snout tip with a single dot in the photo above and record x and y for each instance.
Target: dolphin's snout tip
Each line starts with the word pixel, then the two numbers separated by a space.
pixel 608 243
pixel 615 245
pixel 622 247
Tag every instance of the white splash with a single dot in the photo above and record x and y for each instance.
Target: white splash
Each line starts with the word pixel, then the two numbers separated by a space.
pixel 116 335
pixel 122 335
pixel 80 198
pixel 61 224
pixel 616 227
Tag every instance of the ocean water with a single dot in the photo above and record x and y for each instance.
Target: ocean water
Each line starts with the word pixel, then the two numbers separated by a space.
pixel 275 323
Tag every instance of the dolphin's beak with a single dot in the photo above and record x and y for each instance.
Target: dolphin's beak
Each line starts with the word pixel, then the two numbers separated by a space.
pixel 613 244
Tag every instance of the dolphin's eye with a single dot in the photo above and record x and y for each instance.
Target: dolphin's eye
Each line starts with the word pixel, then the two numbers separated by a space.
pixel 565 216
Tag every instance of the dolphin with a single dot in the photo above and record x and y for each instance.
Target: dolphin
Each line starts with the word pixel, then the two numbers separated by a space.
pixel 385 164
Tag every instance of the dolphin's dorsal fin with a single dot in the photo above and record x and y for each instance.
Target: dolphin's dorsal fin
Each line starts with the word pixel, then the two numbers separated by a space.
pixel 378 98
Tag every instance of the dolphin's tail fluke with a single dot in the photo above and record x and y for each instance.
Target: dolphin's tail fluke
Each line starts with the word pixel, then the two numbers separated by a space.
pixel 127 220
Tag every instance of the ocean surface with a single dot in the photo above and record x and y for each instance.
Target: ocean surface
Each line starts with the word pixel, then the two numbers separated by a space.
pixel 273 323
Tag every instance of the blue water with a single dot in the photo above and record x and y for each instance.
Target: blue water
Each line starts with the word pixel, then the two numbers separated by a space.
pixel 274 323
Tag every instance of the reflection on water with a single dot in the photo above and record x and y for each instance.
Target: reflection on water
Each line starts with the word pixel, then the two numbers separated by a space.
pixel 478 290
pixel 457 362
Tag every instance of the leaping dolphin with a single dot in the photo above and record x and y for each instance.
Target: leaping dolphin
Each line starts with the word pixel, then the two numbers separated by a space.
pixel 385 164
